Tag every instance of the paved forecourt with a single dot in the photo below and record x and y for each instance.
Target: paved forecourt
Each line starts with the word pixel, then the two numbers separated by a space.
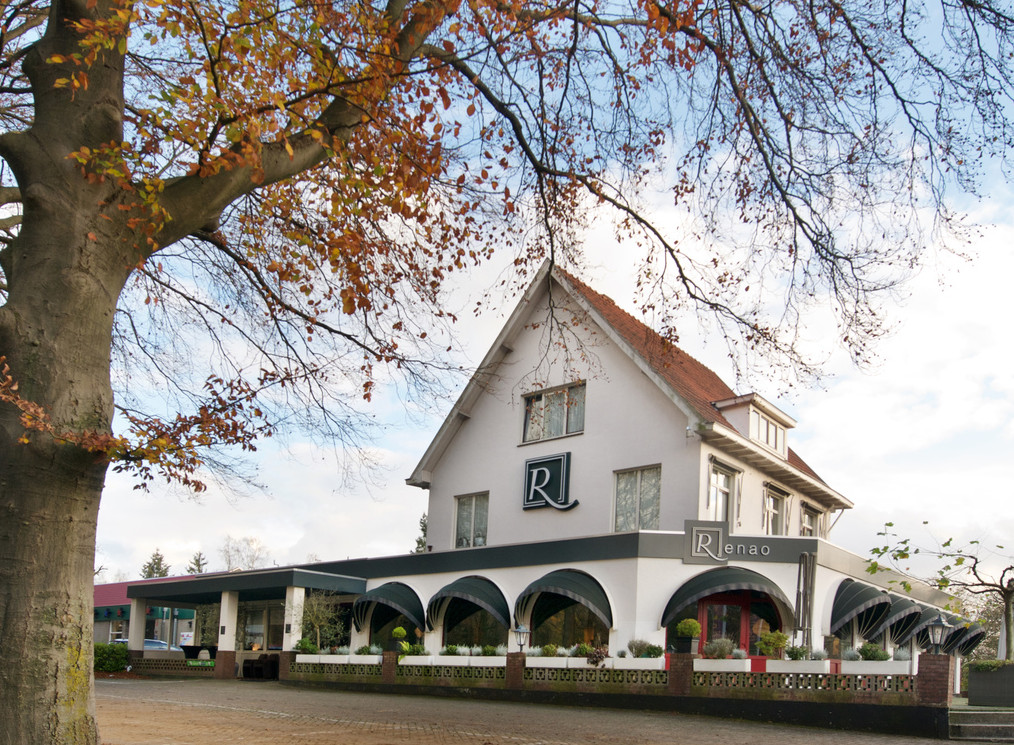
pixel 199 712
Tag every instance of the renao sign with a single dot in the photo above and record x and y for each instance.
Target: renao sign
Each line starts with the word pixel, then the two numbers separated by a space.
pixel 547 483
pixel 708 542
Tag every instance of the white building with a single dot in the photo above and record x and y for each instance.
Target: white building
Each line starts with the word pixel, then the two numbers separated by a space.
pixel 597 485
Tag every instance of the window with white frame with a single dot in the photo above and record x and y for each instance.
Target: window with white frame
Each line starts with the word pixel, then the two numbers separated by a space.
pixel 554 413
pixel 809 521
pixel 766 431
pixel 638 494
pixel 471 515
pixel 721 494
pixel 775 511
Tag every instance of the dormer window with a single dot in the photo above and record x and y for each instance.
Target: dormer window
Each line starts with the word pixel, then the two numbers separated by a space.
pixel 554 413
pixel 767 432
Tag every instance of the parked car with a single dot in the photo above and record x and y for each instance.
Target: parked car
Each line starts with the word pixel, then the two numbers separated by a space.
pixel 153 644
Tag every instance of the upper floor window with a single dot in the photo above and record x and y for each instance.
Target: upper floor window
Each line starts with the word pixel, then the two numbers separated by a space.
pixel 809 521
pixel 637 499
pixel 721 494
pixel 775 511
pixel 767 431
pixel 471 516
pixel 554 413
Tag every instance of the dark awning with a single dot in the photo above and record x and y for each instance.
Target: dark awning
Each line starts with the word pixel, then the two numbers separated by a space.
pixel 868 605
pixel 395 595
pixel 971 638
pixel 959 627
pixel 475 590
pixel 903 616
pixel 928 614
pixel 572 587
pixel 726 579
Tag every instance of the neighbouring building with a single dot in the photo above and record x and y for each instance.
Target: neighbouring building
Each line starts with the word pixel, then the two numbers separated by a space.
pixel 598 485
pixel 112 617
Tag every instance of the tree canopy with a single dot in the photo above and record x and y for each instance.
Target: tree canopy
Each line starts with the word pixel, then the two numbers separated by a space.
pixel 222 220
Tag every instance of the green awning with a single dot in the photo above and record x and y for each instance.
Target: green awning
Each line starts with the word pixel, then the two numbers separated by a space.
pixel 867 605
pixel 395 595
pixel 925 619
pixel 478 591
pixel 960 627
pixel 569 586
pixel 903 616
pixel 726 579
pixel 971 638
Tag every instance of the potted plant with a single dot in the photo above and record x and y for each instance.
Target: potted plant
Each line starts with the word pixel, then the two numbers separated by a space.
pixel 398 643
pixel 801 660
pixel 772 644
pixel 688 631
pixel 717 654
pixel 642 655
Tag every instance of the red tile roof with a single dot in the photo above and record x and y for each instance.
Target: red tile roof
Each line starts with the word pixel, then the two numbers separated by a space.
pixel 696 384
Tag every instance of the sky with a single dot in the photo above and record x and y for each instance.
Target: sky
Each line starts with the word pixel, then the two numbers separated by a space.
pixel 926 435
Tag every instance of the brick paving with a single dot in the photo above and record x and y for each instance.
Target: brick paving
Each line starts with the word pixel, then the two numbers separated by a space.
pixel 211 712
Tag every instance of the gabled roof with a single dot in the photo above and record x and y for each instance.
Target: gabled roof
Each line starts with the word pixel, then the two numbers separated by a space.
pixel 693 387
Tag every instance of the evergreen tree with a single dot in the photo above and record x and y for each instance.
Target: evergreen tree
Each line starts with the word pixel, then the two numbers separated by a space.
pixel 155 566
pixel 420 542
pixel 198 564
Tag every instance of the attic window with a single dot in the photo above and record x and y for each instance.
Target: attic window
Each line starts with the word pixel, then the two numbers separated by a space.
pixel 767 432
pixel 554 413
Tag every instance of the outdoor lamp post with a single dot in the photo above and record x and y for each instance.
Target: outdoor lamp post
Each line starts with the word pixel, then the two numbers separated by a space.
pixel 936 630
pixel 521 634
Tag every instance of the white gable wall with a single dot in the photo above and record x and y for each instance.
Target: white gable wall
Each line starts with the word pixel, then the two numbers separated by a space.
pixel 629 423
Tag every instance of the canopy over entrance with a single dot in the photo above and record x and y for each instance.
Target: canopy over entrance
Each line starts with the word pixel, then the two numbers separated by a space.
pixel 726 579
pixel 901 619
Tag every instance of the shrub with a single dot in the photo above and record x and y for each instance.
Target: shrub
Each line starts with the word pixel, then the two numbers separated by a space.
pixel 417 650
pixel 488 650
pixel 637 647
pixel 622 653
pixel 871 651
pixel 583 650
pixel 771 643
pixel 534 652
pixel 342 650
pixel 450 650
pixel 818 653
pixel 110 658
pixel 902 655
pixel 365 649
pixel 562 652
pixel 305 646
pixel 979 666
pixel 376 649
pixel 797 653
pixel 654 650
pixel 739 654
pixel 718 649
pixel 399 632
pixel 476 651
pixel 688 627
pixel 465 651
pixel 598 655
pixel 851 655
pixel 549 650
pixel 501 650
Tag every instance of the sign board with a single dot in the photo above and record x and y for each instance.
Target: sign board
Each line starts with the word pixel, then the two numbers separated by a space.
pixel 709 542
pixel 547 483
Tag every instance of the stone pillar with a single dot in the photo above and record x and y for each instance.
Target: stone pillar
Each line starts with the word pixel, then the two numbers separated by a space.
pixel 935 680
pixel 285 660
pixel 294 597
pixel 389 668
pixel 225 660
pixel 681 673
pixel 135 629
pixel 515 670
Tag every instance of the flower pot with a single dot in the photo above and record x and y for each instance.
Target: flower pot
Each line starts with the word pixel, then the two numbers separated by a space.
pixel 685 644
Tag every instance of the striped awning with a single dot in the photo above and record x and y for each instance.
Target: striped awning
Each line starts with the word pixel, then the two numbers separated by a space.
pixel 395 595
pixel 567 586
pixel 477 591
pixel 726 579
pixel 867 605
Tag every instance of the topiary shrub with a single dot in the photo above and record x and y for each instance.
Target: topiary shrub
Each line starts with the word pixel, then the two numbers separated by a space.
pixel 110 658
pixel 688 627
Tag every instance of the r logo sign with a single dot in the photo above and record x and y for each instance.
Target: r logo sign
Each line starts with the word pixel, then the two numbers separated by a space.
pixel 547 483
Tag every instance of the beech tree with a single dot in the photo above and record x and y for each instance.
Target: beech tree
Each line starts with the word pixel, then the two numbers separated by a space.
pixel 226 219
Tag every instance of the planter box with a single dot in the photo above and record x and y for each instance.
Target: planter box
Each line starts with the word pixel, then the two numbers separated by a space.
pixel 546 661
pixel 639 663
pixel 489 661
pixel 365 659
pixel 416 659
pixel 993 688
pixel 308 658
pixel 455 660
pixel 871 667
pixel 803 667
pixel 581 663
pixel 334 659
pixel 722 666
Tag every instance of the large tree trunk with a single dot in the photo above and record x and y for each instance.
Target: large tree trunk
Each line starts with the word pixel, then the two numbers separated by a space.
pixel 64 271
